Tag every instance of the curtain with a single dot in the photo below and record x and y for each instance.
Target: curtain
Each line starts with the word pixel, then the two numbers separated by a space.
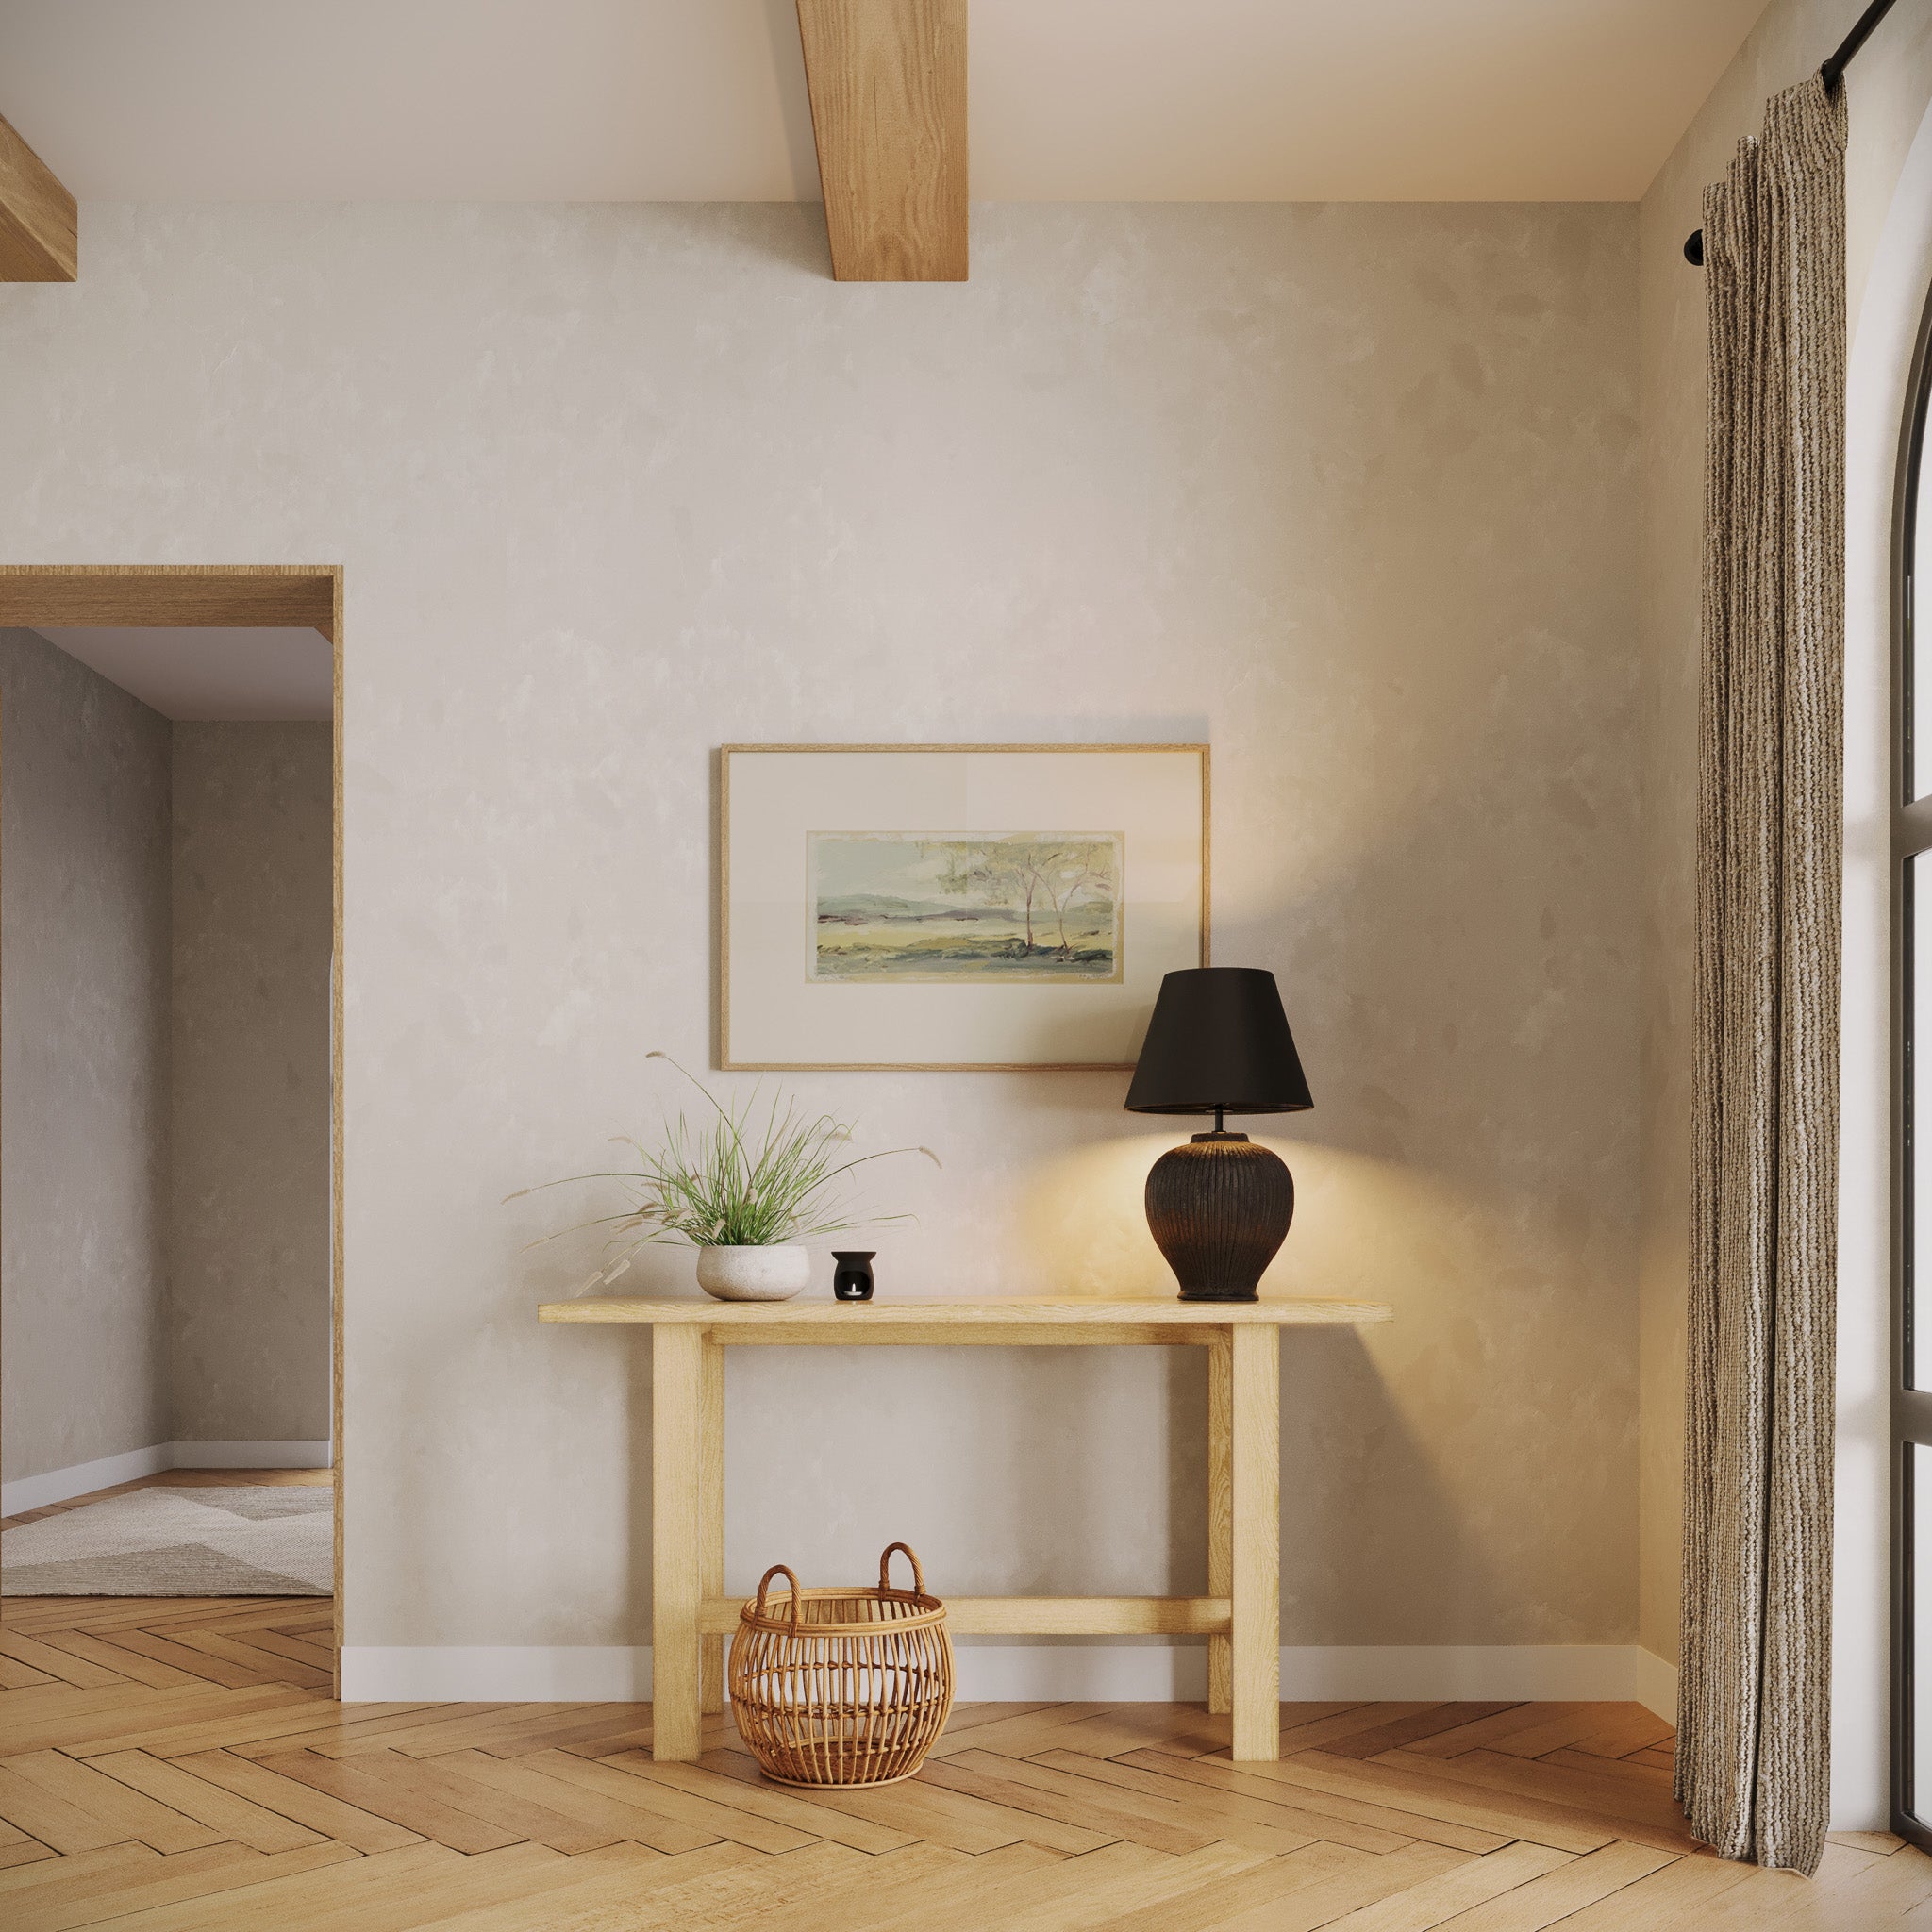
pixel 1754 1696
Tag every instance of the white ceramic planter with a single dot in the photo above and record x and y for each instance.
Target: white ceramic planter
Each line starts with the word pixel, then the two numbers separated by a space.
pixel 753 1274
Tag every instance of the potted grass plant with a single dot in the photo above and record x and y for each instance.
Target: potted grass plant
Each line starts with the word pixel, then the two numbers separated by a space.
pixel 747 1186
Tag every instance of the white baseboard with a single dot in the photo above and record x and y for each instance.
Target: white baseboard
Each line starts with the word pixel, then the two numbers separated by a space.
pixel 83 1479
pixel 1656 1686
pixel 521 1674
pixel 1018 1673
pixel 1567 1671
pixel 57 1485
pixel 251 1456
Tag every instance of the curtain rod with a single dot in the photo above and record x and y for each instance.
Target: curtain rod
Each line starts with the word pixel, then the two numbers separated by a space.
pixel 1831 73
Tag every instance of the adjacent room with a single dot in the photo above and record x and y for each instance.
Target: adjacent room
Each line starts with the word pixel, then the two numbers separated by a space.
pixel 166 937
pixel 958 964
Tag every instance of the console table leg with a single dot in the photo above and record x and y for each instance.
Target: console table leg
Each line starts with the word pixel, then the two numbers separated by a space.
pixel 1256 1405
pixel 1219 1509
pixel 713 1516
pixel 676 1553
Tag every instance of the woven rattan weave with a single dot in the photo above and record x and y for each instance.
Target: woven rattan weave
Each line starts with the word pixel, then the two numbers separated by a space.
pixel 841 1686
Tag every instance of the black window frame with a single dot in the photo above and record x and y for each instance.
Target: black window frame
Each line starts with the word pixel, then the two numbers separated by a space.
pixel 1911 834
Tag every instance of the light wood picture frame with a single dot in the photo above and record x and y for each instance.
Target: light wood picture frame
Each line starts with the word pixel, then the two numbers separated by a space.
pixel 952 908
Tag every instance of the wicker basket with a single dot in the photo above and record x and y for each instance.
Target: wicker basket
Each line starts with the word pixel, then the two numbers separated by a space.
pixel 842 1687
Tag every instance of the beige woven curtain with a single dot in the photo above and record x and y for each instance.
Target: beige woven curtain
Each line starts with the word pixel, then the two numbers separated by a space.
pixel 1754 1696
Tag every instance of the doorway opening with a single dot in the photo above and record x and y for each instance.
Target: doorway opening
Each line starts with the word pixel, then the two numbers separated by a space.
pixel 171 1114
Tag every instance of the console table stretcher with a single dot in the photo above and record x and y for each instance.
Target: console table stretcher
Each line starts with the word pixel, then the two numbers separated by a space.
pixel 1240 1614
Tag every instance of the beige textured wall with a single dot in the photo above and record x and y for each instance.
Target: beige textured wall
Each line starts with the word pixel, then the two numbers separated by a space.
pixel 1890 87
pixel 252 884
pixel 1348 490
pixel 83 1062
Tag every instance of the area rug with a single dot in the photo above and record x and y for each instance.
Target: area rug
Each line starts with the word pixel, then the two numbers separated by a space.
pixel 267 1541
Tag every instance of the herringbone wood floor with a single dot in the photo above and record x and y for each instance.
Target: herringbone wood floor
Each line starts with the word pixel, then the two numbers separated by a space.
pixel 177 1766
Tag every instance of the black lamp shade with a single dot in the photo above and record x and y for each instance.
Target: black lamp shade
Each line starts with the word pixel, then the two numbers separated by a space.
pixel 1219 1041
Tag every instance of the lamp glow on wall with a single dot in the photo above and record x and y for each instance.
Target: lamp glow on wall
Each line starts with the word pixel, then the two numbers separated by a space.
pixel 1220 1207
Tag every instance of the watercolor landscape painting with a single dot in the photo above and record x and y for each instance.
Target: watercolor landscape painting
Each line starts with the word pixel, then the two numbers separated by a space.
pixel 957 906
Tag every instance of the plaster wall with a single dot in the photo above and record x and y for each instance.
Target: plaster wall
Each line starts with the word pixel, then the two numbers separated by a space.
pixel 165 895
pixel 84 937
pixel 1348 490
pixel 252 864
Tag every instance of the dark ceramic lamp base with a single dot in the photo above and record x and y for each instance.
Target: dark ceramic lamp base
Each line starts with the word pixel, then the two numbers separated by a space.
pixel 1218 1208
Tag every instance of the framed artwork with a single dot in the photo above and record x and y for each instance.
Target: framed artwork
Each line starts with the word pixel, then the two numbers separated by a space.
pixel 954 906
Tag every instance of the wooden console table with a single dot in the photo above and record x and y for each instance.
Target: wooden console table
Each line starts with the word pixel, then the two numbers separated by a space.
pixel 1241 1614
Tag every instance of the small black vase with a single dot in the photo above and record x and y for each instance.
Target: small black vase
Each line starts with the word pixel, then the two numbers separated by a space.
pixel 852 1282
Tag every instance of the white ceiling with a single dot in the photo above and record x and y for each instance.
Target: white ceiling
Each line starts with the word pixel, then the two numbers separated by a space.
pixel 704 100
pixel 283 673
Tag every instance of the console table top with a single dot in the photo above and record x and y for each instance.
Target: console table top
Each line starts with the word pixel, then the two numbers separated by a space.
pixel 931 1312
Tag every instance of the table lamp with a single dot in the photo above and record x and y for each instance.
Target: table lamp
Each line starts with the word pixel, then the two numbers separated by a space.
pixel 1220 1207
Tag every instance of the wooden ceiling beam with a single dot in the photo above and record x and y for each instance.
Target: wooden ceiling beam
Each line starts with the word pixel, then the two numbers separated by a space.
pixel 38 227
pixel 888 85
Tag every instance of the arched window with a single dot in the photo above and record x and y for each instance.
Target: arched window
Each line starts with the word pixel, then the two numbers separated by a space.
pixel 1911 1402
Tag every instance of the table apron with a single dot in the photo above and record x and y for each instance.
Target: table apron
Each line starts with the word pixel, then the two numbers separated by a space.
pixel 957 1334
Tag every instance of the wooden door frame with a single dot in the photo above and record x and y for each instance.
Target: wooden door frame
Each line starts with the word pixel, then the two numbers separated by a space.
pixel 230 596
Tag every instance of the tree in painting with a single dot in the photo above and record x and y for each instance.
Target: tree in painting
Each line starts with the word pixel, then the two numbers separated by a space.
pixel 1000 906
pixel 1036 878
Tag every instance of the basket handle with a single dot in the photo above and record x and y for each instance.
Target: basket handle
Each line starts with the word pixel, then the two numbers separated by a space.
pixel 912 1556
pixel 765 1583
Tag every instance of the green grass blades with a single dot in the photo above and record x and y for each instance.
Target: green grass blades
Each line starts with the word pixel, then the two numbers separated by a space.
pixel 751 1173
